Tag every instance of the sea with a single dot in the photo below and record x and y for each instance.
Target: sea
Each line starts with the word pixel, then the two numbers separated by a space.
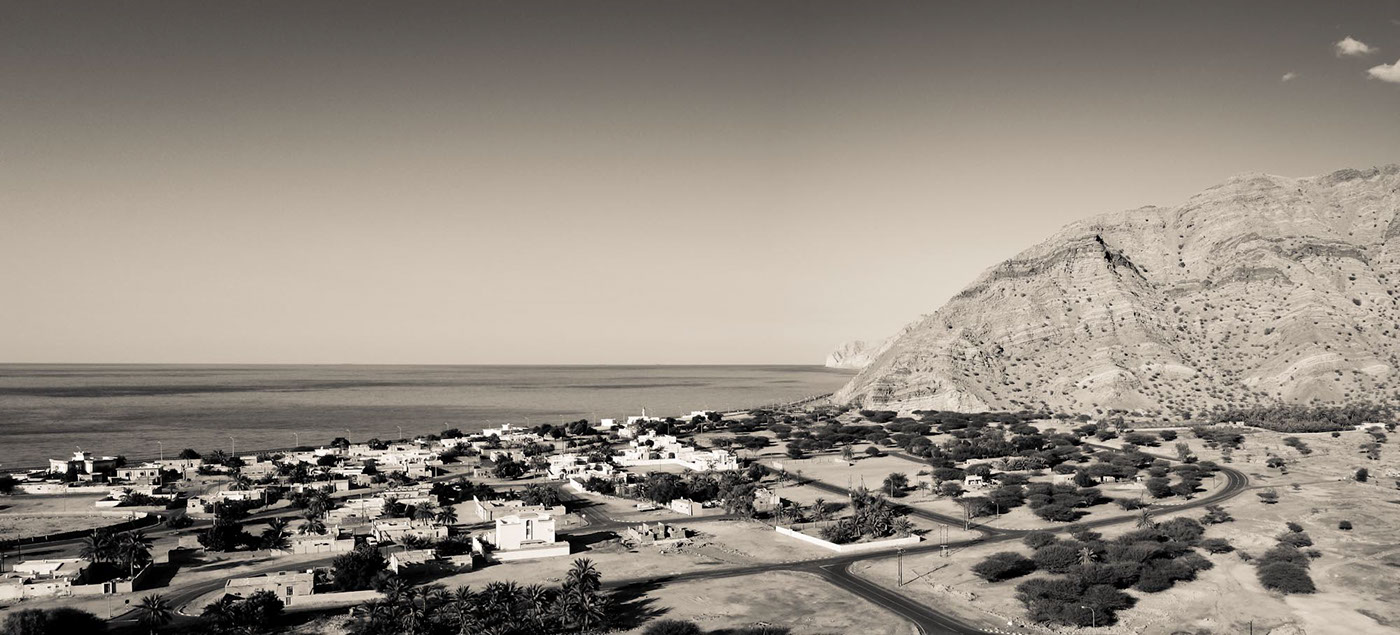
pixel 140 411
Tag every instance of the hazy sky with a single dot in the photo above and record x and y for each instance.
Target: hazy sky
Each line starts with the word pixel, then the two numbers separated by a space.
pixel 600 182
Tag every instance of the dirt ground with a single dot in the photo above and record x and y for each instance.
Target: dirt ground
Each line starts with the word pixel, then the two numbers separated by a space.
pixel 799 601
pixel 713 544
pixel 1356 575
pixel 22 526
pixel 32 515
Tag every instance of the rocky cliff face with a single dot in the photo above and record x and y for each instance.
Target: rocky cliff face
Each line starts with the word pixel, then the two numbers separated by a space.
pixel 1260 289
pixel 856 354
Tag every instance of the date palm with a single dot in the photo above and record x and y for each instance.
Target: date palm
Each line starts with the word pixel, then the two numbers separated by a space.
pixel 537 599
pixel 447 516
pixel 133 548
pixel 275 536
pixel 100 546
pixel 221 614
pixel 154 611
pixel 583 576
pixel 425 512
pixel 463 605
pixel 313 525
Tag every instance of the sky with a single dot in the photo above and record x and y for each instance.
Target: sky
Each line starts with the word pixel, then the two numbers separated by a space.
pixel 614 182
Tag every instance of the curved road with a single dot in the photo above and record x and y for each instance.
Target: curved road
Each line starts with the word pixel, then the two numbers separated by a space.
pixel 928 620
pixel 836 569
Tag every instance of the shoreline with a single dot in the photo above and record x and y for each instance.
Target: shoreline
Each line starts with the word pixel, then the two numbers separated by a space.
pixel 139 459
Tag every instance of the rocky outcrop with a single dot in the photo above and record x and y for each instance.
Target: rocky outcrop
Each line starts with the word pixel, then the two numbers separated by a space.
pixel 1260 289
pixel 855 355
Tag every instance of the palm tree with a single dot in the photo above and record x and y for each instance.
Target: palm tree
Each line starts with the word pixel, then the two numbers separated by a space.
pixel 820 511
pixel 902 526
pixel 133 548
pixel 448 516
pixel 241 483
pixel 463 604
pixel 275 536
pixel 390 502
pixel 425 512
pixel 99 547
pixel 394 589
pixel 221 613
pixel 154 611
pixel 583 576
pixel 500 599
pixel 536 598
pixel 1145 520
pixel 1086 556
pixel 319 503
pixel 313 525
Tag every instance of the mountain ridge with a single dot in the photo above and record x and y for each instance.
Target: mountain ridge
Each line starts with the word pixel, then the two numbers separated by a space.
pixel 1259 289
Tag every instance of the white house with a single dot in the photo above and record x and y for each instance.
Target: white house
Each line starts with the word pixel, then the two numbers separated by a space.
pixel 527 535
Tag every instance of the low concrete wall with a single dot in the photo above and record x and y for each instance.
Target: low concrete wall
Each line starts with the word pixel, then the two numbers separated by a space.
pixel 558 549
pixel 855 547
pixel 331 600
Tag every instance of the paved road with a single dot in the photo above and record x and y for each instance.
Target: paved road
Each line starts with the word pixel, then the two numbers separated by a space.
pixel 835 569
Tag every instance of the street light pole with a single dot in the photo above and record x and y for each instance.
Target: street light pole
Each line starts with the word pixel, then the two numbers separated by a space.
pixel 400 432
pixel 297 436
pixel 162 451
pixel 901 567
pixel 1093 617
pixel 232 446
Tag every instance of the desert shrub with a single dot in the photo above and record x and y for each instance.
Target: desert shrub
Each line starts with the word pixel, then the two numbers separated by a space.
pixel 1158 487
pixel 1292 526
pixel 1296 539
pixel 1056 557
pixel 1285 577
pixel 1183 530
pixel 1216 545
pixel 1003 566
pixel 1344 525
pixel 1130 503
pixel 673 627
pixel 1216 515
pixel 1065 601
pixel 1161 574
pixel 1038 539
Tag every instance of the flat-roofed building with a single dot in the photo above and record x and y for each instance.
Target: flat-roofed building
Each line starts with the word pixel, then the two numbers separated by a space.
pixel 285 584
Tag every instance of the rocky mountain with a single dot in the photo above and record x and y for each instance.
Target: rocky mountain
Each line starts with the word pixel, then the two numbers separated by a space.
pixel 856 354
pixel 1259 290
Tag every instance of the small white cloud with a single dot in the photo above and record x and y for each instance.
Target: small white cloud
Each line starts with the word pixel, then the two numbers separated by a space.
pixel 1386 72
pixel 1352 47
pixel 1289 76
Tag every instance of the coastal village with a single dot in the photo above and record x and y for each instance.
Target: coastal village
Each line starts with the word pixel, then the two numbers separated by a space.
pixel 333 533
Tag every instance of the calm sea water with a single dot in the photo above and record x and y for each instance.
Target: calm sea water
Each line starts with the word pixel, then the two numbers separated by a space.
pixel 50 411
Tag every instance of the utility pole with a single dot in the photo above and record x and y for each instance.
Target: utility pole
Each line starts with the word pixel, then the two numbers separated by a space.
pixel 297 436
pixel 162 451
pixel 232 446
pixel 901 567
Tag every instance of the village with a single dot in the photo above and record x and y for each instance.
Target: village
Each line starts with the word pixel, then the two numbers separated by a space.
pixel 204 538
